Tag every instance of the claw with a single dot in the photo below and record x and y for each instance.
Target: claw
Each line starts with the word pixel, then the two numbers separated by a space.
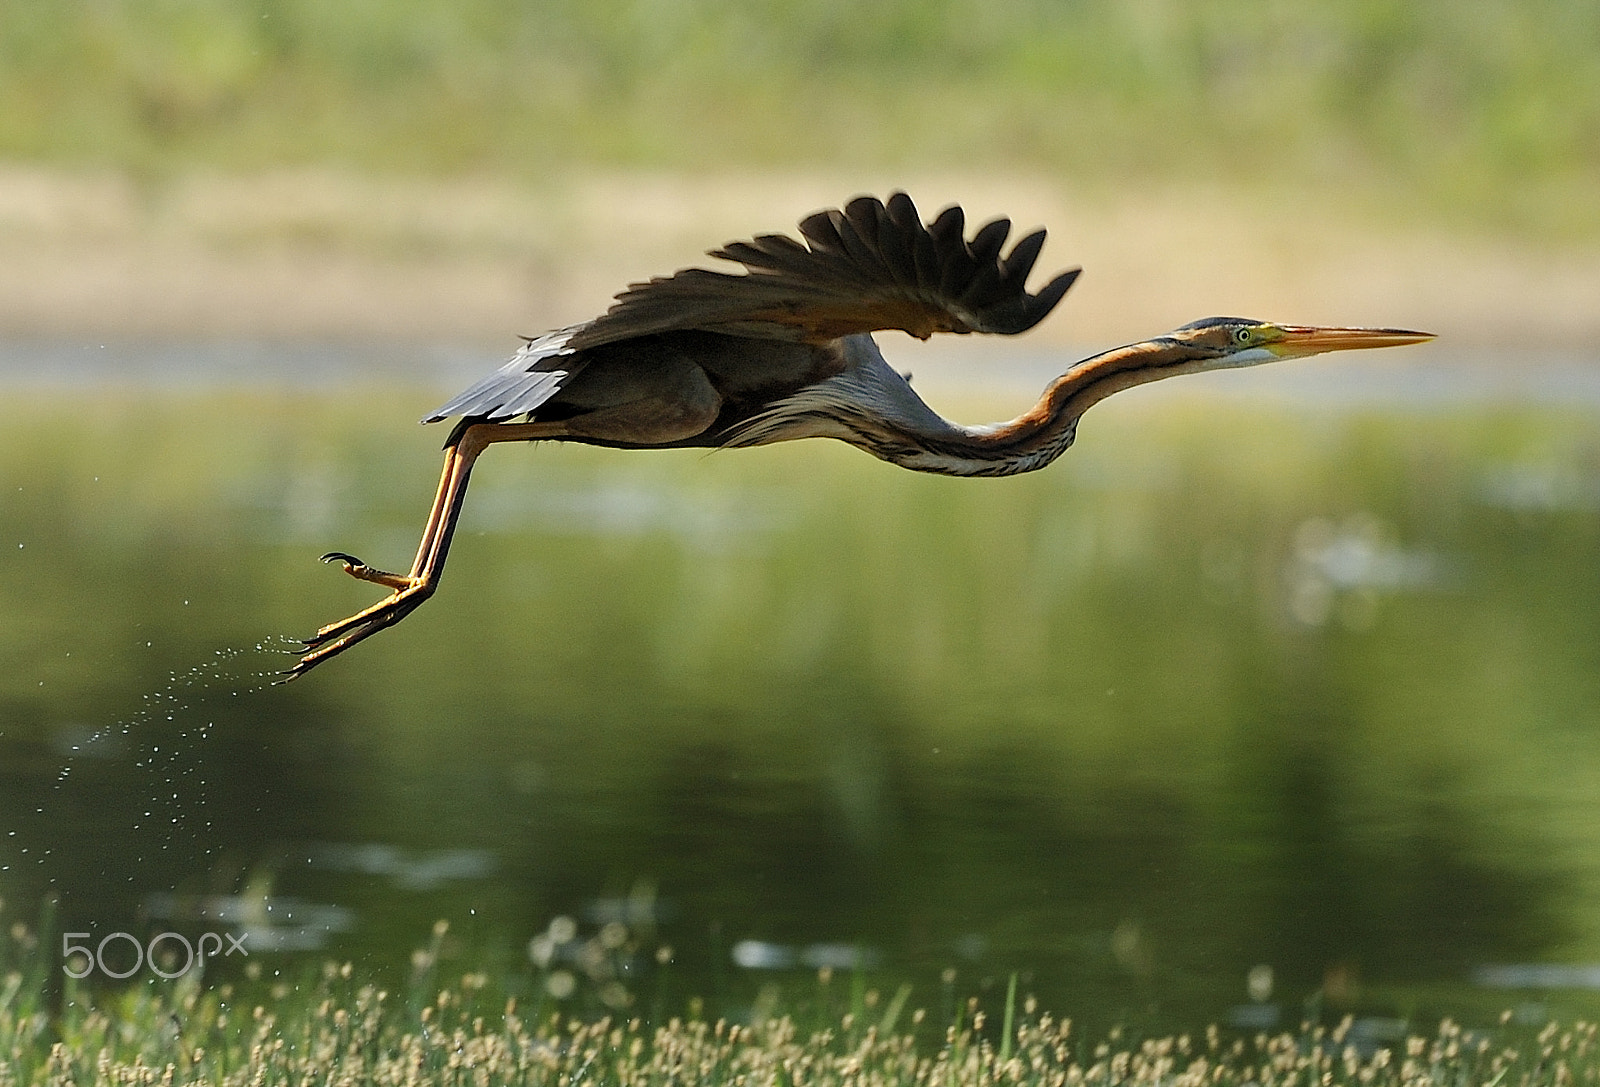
pixel 361 571
pixel 335 638
pixel 316 640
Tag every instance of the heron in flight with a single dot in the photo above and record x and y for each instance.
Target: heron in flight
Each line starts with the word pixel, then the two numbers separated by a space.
pixel 784 350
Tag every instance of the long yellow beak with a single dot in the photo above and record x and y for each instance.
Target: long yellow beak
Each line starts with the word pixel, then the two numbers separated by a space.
pixel 1301 340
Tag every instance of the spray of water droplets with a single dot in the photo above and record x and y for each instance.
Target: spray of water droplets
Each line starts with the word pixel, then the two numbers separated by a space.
pixel 176 803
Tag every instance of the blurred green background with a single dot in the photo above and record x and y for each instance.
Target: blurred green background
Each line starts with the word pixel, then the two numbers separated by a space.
pixel 1271 671
pixel 1483 114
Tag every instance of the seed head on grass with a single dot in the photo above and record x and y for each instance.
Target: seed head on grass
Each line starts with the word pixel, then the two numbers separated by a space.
pixel 337 1030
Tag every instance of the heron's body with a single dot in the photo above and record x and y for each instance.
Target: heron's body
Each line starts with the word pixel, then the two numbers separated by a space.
pixel 785 351
pixel 713 390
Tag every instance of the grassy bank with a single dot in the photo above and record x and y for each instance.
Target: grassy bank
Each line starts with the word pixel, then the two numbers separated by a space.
pixel 334 1027
pixel 1488 115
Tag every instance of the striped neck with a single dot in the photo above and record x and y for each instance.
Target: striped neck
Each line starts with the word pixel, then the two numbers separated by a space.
pixel 1045 431
pixel 872 408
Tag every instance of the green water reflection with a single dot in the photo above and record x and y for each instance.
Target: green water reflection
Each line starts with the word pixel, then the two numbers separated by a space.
pixel 1231 685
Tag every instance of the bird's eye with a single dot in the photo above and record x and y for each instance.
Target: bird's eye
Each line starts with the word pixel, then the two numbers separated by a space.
pixel 1243 335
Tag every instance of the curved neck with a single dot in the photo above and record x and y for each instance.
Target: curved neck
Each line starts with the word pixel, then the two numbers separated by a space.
pixel 873 408
pixel 1043 432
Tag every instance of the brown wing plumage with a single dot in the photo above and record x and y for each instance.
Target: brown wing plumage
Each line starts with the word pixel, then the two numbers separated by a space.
pixel 868 267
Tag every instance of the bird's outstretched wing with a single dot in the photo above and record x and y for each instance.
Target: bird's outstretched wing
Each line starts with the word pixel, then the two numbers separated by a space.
pixel 868 267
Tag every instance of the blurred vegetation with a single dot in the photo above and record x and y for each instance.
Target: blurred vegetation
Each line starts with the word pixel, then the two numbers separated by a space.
pixel 336 1025
pixel 1487 113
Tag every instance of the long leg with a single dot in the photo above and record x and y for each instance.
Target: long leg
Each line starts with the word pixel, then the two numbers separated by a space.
pixel 410 590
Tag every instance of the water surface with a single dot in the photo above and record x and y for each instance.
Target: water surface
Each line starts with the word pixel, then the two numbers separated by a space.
pixel 1297 674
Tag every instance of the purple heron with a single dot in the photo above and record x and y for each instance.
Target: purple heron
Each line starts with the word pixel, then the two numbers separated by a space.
pixel 784 350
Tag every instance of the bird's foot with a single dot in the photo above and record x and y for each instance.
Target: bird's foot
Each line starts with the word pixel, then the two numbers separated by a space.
pixel 358 569
pixel 333 639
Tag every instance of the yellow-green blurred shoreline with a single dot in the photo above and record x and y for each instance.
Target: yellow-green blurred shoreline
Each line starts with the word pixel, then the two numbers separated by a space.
pixel 334 253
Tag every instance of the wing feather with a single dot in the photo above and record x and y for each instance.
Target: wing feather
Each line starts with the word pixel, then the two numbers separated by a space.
pixel 532 376
pixel 1019 262
pixel 899 230
pixel 955 259
pixel 868 266
pixel 860 244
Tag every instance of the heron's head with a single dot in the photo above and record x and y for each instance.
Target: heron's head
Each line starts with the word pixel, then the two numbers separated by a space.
pixel 1215 343
pixel 1220 342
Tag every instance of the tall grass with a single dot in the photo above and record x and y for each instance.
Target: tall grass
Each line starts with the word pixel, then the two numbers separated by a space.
pixel 334 1027
pixel 1492 109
